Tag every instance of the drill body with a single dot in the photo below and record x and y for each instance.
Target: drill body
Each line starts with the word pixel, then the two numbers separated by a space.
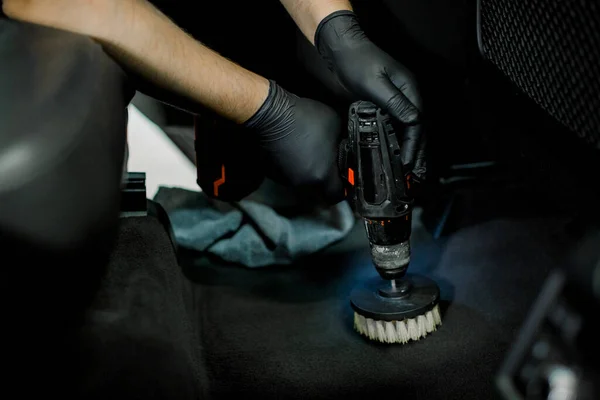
pixel 377 186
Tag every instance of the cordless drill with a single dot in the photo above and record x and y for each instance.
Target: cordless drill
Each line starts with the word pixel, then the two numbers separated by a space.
pixel 400 307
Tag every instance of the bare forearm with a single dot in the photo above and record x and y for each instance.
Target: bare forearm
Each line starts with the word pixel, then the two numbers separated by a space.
pixel 149 44
pixel 163 53
pixel 308 13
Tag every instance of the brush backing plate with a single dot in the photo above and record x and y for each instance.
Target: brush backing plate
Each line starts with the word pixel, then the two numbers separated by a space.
pixel 367 300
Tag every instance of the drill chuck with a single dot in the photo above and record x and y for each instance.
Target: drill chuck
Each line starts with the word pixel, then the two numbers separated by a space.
pixel 389 240
pixel 391 261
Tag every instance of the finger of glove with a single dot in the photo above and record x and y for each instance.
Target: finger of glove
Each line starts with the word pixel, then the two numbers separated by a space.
pixel 403 79
pixel 410 144
pixel 326 191
pixel 332 187
pixel 420 165
pixel 394 102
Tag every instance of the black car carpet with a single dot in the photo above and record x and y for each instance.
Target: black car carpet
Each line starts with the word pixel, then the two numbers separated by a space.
pixel 286 332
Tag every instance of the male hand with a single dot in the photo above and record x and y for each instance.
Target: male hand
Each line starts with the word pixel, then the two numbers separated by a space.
pixel 299 139
pixel 369 73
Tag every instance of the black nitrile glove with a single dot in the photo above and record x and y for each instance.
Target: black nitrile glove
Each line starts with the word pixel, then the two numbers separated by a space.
pixel 299 140
pixel 369 73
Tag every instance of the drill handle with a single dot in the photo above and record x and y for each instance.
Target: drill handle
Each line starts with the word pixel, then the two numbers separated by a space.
pixel 371 164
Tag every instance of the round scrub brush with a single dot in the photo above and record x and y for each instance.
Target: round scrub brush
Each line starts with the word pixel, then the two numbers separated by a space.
pixel 405 310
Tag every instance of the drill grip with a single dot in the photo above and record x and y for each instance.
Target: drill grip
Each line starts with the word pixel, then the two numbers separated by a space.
pixel 371 164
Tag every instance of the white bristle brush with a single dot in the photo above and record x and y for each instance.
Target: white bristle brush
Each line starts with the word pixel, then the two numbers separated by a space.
pixel 399 331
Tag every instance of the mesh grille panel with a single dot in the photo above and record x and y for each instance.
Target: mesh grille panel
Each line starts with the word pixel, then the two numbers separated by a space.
pixel 551 50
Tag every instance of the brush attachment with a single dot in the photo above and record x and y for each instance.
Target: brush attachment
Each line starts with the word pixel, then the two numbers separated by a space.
pixel 398 331
pixel 397 311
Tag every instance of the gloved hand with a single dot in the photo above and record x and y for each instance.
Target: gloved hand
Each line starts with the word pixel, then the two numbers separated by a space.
pixel 369 73
pixel 299 140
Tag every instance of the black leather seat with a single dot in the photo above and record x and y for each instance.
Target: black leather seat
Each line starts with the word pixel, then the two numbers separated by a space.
pixel 62 135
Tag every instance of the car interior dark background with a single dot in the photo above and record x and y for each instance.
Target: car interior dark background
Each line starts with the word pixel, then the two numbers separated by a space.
pixel 101 302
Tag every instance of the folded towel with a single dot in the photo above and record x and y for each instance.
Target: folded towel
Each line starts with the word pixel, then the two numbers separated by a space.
pixel 251 233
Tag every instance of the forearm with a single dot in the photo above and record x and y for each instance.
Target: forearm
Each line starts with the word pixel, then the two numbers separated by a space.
pixel 308 13
pixel 146 42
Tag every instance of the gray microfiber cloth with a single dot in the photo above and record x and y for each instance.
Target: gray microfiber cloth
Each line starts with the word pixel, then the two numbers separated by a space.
pixel 249 232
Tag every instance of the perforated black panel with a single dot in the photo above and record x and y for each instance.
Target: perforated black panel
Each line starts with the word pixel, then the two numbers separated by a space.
pixel 551 50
